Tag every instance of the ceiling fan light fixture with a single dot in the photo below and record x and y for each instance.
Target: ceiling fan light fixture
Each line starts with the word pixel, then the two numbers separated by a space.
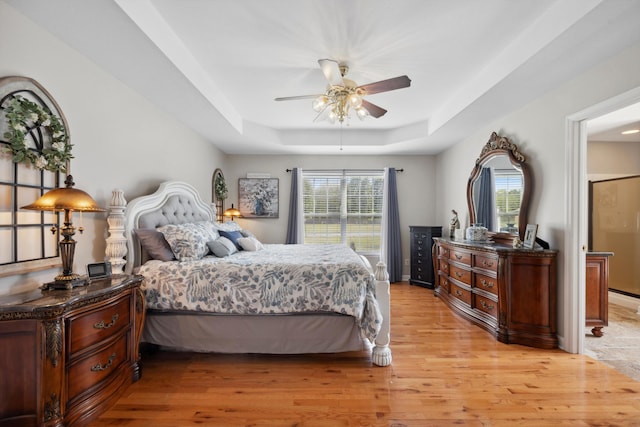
pixel 333 116
pixel 320 103
pixel 362 113
pixel 355 100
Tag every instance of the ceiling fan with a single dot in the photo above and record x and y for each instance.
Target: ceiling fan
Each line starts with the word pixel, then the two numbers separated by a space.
pixel 343 94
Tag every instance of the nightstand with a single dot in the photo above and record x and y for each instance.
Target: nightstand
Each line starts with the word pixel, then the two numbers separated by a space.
pixel 68 355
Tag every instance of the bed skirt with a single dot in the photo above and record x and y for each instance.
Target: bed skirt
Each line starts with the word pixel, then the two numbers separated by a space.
pixel 266 334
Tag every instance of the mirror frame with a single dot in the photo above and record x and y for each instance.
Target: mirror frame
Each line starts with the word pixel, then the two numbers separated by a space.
pixel 500 145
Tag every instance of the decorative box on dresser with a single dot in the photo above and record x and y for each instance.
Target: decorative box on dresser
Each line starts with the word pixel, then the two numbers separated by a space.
pixel 509 292
pixel 68 355
pixel 597 291
pixel 422 273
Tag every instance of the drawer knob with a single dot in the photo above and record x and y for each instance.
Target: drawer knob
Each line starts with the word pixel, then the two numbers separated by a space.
pixel 486 306
pixel 487 263
pixel 99 367
pixel 102 325
pixel 486 284
pixel 458 293
pixel 459 275
pixel 458 256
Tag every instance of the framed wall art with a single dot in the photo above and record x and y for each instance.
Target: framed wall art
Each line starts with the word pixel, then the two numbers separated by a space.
pixel 258 197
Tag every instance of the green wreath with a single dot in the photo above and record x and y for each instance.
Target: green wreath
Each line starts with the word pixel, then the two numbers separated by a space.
pixel 221 188
pixel 23 117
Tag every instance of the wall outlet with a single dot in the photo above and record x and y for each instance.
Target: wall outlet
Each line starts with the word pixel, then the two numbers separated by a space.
pixel 406 261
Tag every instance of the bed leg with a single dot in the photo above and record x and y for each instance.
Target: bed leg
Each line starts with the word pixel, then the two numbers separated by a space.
pixel 381 354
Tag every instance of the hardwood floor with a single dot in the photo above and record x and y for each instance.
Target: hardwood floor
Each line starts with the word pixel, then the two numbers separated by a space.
pixel 445 372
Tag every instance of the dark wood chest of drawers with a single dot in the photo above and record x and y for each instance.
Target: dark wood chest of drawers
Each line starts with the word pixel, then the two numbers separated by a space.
pixel 422 273
pixel 68 355
pixel 509 292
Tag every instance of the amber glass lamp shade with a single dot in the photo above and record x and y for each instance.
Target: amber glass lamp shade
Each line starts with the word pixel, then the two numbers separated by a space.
pixel 67 200
pixel 232 212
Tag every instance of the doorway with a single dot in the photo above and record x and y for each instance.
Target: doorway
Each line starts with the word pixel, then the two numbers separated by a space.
pixel 576 243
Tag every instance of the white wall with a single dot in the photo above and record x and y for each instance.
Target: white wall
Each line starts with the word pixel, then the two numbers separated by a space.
pixel 612 159
pixel 120 139
pixel 539 131
pixel 416 188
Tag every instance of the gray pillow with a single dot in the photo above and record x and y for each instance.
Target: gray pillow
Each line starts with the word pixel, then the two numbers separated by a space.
pixel 222 247
pixel 154 243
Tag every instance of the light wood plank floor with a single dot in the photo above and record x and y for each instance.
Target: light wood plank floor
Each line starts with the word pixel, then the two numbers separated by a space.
pixel 445 372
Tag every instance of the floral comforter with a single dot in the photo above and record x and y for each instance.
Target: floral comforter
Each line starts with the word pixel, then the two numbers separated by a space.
pixel 279 279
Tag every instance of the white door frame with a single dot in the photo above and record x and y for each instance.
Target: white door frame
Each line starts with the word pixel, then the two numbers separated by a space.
pixel 575 246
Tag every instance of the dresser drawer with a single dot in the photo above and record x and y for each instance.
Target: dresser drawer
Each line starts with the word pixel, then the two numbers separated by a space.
pixel 443 251
pixel 96 367
pixel 94 326
pixel 486 305
pixel 462 294
pixel 486 283
pixel 443 266
pixel 485 262
pixel 460 274
pixel 462 257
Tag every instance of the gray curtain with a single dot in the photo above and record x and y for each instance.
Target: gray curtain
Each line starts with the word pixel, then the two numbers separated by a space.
pixel 292 224
pixel 485 199
pixel 394 244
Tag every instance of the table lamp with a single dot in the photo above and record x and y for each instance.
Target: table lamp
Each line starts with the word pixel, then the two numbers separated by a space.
pixel 66 200
pixel 232 212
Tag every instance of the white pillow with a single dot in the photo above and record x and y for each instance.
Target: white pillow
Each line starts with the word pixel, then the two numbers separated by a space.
pixel 188 241
pixel 250 244
pixel 222 247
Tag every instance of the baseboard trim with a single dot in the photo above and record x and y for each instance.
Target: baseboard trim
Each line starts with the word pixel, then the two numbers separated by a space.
pixel 625 301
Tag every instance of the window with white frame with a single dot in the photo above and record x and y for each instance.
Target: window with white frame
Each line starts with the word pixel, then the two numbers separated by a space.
pixel 509 187
pixel 343 206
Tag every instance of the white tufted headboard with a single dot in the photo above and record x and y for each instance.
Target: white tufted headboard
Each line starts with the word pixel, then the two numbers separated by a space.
pixel 174 202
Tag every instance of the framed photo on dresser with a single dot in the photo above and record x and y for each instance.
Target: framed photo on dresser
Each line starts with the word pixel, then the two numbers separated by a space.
pixel 530 232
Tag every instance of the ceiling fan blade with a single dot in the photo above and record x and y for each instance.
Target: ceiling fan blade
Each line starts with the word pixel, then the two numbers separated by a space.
pixel 373 109
pixel 387 85
pixel 291 98
pixel 331 70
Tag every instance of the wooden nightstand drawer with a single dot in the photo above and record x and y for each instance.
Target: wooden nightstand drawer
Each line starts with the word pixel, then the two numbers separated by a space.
pixel 459 274
pixel 94 326
pixel 462 257
pixel 486 305
pixel 462 294
pixel 486 263
pixel 90 371
pixel 486 283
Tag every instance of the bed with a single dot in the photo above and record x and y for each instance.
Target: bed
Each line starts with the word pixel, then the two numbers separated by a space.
pixel 256 298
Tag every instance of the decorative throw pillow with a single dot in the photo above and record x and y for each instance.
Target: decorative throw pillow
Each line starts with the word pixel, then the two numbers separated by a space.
pixel 222 247
pixel 154 243
pixel 233 236
pixel 228 226
pixel 247 233
pixel 250 244
pixel 188 241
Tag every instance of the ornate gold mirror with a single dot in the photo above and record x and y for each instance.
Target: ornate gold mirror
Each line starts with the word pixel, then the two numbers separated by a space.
pixel 499 189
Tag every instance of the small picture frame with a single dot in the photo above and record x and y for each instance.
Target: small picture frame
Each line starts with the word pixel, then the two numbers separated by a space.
pixel 530 232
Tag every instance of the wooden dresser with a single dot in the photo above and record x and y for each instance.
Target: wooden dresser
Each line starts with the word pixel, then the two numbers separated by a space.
pixel 509 292
pixel 597 291
pixel 68 355
pixel 422 273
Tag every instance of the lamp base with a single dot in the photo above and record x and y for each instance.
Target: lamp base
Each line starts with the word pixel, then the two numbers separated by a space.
pixel 66 284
